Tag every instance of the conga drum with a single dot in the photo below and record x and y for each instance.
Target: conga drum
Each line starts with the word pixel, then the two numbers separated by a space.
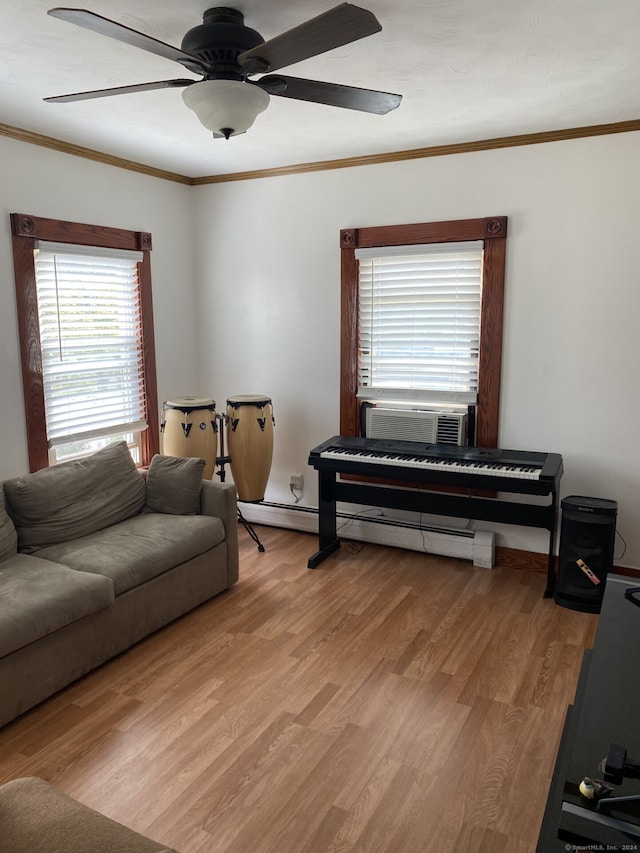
pixel 250 444
pixel 189 428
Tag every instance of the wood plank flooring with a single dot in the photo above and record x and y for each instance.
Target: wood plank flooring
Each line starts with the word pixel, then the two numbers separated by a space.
pixel 386 702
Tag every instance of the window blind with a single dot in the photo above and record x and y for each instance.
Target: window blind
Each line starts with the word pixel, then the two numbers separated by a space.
pixel 91 341
pixel 419 321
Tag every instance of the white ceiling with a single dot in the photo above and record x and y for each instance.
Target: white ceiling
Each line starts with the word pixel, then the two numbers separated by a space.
pixel 467 70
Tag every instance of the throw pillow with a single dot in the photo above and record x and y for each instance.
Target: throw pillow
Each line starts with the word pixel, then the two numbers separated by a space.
pixel 174 484
pixel 75 498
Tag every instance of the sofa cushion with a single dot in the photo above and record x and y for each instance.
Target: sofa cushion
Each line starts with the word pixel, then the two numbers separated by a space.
pixel 75 498
pixel 139 548
pixel 8 535
pixel 37 597
pixel 36 817
pixel 174 484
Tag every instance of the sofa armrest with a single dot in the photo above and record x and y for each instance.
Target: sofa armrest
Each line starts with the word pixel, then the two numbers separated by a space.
pixel 219 500
pixel 36 816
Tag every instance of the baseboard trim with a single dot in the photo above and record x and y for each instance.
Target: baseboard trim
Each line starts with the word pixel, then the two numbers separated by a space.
pixel 527 561
pixel 533 561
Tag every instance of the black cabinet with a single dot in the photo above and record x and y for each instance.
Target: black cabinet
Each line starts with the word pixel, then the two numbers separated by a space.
pixel 606 711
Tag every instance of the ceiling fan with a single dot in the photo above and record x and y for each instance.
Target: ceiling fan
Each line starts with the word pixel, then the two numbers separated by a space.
pixel 227 53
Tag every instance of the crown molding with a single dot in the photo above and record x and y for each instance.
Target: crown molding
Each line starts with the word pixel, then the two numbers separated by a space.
pixel 431 151
pixel 325 165
pixel 89 154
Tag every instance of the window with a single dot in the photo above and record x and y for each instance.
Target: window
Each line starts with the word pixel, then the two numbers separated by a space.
pixel 86 332
pixel 419 321
pixel 422 318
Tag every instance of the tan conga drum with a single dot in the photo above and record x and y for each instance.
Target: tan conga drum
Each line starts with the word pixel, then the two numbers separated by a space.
pixel 250 444
pixel 189 428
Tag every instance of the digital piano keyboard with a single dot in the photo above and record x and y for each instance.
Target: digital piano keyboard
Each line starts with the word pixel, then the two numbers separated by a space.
pixel 475 467
pixel 415 463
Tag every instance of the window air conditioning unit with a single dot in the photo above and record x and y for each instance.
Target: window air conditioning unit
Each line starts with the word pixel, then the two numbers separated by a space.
pixel 431 427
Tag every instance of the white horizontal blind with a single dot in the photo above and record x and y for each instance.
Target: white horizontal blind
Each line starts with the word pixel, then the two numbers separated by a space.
pixel 419 320
pixel 91 339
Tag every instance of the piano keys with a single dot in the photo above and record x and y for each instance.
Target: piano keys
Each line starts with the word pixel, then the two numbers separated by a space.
pixel 520 471
pixel 470 468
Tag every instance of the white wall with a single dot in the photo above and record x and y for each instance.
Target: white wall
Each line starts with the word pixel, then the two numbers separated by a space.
pixel 46 183
pixel 258 310
pixel 268 301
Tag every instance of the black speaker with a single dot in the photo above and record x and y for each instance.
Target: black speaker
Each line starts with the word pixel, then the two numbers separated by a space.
pixel 587 536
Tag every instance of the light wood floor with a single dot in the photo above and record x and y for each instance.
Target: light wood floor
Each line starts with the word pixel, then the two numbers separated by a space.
pixel 387 701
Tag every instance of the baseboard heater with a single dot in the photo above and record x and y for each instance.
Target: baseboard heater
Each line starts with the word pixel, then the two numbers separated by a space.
pixel 475 545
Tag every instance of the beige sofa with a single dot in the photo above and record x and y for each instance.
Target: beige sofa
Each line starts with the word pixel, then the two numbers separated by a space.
pixel 95 556
pixel 37 818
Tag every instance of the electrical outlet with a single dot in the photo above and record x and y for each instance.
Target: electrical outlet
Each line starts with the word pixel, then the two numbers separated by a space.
pixel 296 481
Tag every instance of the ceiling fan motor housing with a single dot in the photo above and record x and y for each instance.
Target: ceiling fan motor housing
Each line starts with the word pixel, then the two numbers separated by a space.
pixel 219 40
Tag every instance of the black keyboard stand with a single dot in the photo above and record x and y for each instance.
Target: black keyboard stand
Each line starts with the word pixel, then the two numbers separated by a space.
pixel 331 490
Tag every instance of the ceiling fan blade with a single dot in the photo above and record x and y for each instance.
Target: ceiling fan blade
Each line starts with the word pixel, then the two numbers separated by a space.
pixel 339 26
pixel 121 90
pixel 114 30
pixel 332 94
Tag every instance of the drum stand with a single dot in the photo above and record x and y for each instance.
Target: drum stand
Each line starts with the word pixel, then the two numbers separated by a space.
pixel 223 460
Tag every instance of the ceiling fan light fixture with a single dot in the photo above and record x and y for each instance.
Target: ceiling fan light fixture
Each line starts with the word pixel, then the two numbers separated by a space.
pixel 226 107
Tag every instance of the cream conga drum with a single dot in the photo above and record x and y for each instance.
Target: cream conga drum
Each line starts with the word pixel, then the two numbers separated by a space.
pixel 189 428
pixel 250 443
